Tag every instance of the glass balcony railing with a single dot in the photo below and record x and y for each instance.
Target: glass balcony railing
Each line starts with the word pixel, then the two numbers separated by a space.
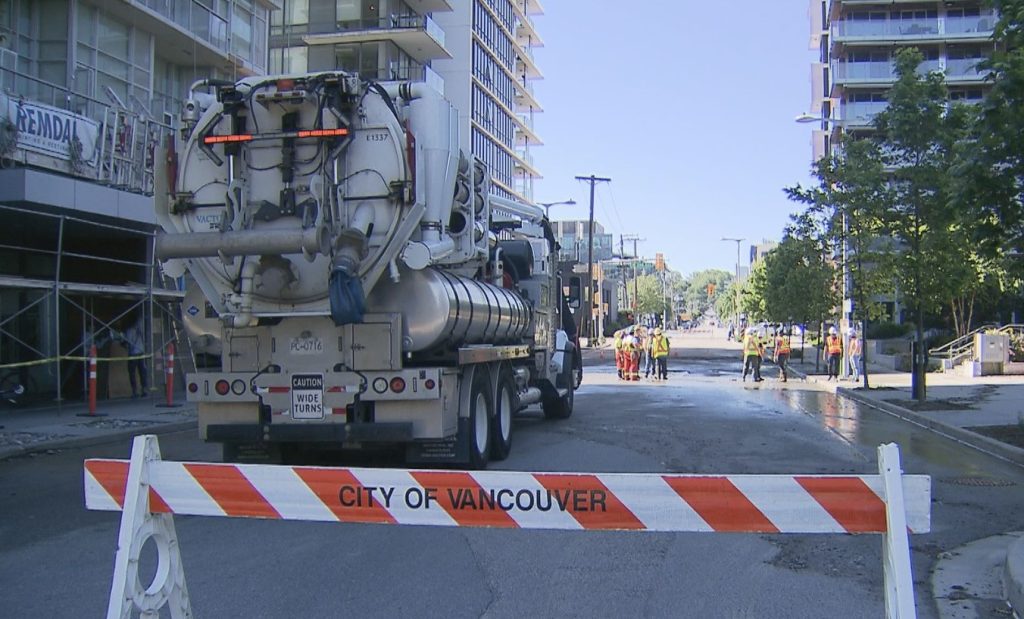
pixel 860 113
pixel 863 71
pixel 877 28
pixel 983 25
pixel 879 71
pixel 965 69
pixel 960 27
pixel 396 22
pixel 194 18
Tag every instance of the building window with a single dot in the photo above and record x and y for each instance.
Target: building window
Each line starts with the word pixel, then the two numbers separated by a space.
pixel 114 60
pixel 289 60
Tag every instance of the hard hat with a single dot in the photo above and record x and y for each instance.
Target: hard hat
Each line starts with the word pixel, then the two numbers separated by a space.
pixel 831 330
pixel 851 332
pixel 657 331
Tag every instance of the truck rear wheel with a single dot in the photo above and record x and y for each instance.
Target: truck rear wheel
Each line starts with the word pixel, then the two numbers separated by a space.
pixel 504 407
pixel 556 407
pixel 481 414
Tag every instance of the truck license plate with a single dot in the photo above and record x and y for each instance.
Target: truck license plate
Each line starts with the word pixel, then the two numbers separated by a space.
pixel 307 396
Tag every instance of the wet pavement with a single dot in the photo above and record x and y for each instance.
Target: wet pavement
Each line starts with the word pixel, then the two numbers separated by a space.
pixel 985 414
pixel 959 408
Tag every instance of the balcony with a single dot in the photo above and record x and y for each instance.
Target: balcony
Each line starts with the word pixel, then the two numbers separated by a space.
pixel 860 113
pixel 62 131
pixel 420 37
pixel 526 98
pixel 926 29
pixel 962 70
pixel 430 6
pixel 877 72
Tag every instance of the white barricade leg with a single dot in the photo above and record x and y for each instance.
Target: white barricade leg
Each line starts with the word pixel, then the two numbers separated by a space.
pixel 138 526
pixel 899 581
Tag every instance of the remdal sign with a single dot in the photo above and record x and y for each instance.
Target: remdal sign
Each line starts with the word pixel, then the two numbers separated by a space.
pixel 52 131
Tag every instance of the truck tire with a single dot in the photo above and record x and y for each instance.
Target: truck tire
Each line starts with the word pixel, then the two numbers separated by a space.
pixel 481 415
pixel 505 405
pixel 561 407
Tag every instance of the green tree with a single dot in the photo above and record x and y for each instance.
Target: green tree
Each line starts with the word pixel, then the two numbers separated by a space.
pixel 694 290
pixel 652 295
pixel 991 167
pixel 725 301
pixel 793 283
pixel 918 132
pixel 989 175
pixel 884 204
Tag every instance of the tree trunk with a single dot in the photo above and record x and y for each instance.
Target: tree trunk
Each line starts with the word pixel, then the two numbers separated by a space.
pixel 918 365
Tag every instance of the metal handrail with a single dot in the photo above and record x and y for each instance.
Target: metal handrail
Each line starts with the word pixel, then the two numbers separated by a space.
pixel 955 349
pixel 963 347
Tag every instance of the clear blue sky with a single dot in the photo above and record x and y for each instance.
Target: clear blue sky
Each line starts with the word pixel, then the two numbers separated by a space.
pixel 688 107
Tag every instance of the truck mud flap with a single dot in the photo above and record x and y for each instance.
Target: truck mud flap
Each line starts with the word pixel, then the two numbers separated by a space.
pixel 301 433
pixel 453 450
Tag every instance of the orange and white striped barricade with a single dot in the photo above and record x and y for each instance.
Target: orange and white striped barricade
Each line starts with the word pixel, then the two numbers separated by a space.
pixel 148 491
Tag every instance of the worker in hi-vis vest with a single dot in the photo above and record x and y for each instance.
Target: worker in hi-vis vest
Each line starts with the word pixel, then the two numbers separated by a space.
pixel 752 351
pixel 659 350
pixel 782 351
pixel 833 352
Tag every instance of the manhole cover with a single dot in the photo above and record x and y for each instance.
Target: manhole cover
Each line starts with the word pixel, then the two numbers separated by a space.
pixel 978 481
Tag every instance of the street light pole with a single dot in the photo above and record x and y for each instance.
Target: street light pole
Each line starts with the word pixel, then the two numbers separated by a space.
pixel 846 315
pixel 547 206
pixel 736 315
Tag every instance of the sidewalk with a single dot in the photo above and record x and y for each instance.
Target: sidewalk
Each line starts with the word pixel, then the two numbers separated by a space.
pixel 67 424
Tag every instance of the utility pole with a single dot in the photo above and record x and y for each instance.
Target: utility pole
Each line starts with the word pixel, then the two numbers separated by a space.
pixel 589 316
pixel 636 258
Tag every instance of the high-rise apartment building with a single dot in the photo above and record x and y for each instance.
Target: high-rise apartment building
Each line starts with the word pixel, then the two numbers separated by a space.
pixel 478 53
pixel 857 39
pixel 88 89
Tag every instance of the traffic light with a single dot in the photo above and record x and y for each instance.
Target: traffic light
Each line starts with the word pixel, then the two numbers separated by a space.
pixel 711 290
pixel 659 262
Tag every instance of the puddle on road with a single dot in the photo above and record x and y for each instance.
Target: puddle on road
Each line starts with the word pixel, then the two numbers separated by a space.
pixel 864 426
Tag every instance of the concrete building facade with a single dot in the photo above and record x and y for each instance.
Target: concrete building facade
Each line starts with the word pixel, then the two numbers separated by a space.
pixel 856 41
pixel 478 53
pixel 88 90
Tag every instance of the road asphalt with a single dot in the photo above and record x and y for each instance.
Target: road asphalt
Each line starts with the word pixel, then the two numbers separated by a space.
pixel 976 411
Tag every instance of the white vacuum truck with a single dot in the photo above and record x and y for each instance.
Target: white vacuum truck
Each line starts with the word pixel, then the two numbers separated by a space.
pixel 370 289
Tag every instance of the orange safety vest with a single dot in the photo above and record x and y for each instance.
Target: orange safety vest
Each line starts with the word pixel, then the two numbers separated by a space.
pixel 834 345
pixel 660 347
pixel 782 346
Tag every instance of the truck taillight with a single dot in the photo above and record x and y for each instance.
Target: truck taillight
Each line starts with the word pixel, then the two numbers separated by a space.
pixel 193 387
pixel 238 387
pixel 429 384
pixel 220 139
pixel 222 387
pixel 322 133
pixel 398 384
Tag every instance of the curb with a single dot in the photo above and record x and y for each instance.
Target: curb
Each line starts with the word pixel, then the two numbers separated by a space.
pixel 982 443
pixel 96 439
pixel 1013 576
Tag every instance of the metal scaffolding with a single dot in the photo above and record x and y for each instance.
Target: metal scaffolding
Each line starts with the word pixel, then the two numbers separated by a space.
pixel 68 283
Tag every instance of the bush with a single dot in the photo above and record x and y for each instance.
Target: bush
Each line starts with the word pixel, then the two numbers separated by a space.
pixel 887 330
